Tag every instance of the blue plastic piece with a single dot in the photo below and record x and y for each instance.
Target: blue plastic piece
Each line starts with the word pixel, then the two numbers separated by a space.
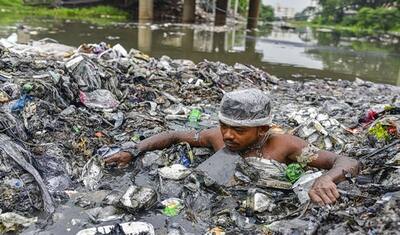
pixel 20 104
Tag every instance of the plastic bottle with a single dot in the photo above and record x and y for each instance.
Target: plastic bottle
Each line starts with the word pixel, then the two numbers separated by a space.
pixel 194 117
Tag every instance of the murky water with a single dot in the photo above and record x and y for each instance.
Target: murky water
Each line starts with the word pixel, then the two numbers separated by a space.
pixel 293 54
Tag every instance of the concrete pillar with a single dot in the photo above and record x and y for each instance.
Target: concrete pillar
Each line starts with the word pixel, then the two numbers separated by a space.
pixel 254 9
pixel 146 10
pixel 213 7
pixel 189 9
pixel 236 8
pixel 221 8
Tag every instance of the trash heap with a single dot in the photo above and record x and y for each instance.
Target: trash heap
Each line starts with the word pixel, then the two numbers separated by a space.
pixel 63 110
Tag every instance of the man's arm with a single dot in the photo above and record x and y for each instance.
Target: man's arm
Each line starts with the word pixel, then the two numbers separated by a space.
pixel 324 189
pixel 205 138
pixel 163 140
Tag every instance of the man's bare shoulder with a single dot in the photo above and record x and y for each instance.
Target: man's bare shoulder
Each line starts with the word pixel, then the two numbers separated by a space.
pixel 287 141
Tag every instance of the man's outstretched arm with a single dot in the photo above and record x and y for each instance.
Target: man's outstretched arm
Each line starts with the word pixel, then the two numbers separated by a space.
pixel 205 138
pixel 324 189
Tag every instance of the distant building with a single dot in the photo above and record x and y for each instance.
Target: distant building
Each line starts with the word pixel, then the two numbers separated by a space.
pixel 282 12
pixel 310 12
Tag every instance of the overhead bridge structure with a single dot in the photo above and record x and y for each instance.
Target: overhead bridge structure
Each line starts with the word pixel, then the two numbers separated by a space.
pixel 146 11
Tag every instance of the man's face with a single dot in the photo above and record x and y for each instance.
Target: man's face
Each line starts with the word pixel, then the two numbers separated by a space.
pixel 239 138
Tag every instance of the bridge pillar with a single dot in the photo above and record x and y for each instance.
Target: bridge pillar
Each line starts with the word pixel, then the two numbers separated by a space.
pixel 146 10
pixel 235 8
pixel 220 14
pixel 254 9
pixel 189 8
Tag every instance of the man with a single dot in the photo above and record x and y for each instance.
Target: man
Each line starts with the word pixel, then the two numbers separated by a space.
pixel 245 122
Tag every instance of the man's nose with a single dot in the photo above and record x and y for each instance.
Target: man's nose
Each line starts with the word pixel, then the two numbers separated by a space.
pixel 228 135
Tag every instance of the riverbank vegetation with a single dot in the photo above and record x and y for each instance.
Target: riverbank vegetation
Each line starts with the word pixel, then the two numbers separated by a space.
pixel 266 13
pixel 356 15
pixel 14 9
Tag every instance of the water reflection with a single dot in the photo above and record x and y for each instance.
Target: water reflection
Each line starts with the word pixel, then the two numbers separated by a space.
pixel 23 35
pixel 290 54
pixel 144 39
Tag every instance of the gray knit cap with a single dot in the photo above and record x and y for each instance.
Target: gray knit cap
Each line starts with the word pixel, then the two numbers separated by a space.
pixel 249 107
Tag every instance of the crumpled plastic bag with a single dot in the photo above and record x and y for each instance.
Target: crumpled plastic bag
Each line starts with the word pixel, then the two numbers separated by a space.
pixel 99 100
pixel 85 73
pixel 11 222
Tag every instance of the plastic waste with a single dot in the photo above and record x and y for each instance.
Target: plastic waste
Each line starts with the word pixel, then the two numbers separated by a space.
pixel 385 128
pixel 174 172
pixel 20 103
pixel 17 153
pixel 3 97
pixel 121 50
pixel 132 228
pixel 194 117
pixel 184 160
pixel 186 156
pixel 99 100
pixel 159 90
pixel 106 151
pixel 92 172
pixel 103 214
pixel 304 184
pixel 27 87
pixel 15 183
pixel 216 231
pixel 137 198
pixel 76 129
pixel 257 202
pixel 172 206
pixel 12 222
pixel 293 226
pixel 294 171
pixel 119 119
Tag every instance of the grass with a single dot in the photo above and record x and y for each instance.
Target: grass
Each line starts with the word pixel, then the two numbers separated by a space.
pixel 15 9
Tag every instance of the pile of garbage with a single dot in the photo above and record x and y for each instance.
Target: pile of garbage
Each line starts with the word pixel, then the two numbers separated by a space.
pixel 64 110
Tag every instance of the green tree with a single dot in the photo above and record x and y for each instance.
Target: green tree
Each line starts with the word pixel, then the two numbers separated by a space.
pixel 266 13
pixel 242 6
pixel 332 10
pixel 379 18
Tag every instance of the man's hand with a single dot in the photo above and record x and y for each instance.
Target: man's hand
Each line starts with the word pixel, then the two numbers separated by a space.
pixel 120 159
pixel 324 191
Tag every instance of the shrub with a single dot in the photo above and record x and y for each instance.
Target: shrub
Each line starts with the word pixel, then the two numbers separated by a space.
pixel 379 18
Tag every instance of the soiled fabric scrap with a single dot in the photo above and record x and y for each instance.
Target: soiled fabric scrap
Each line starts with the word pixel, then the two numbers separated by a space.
pixel 308 154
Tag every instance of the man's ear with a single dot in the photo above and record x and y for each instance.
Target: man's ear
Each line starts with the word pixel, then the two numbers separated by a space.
pixel 262 130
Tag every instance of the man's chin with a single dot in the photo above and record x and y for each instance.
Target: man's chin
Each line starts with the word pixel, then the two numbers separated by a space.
pixel 233 148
